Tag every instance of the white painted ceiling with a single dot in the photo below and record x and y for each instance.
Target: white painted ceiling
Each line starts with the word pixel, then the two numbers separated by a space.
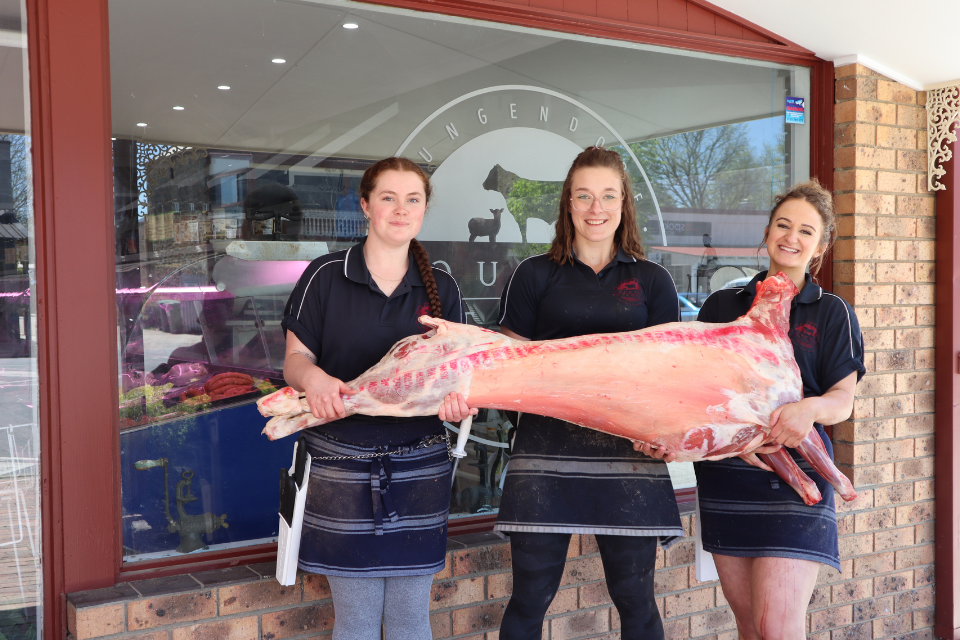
pixel 176 52
pixel 912 41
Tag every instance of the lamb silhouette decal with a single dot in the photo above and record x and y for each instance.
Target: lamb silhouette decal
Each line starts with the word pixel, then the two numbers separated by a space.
pixel 488 227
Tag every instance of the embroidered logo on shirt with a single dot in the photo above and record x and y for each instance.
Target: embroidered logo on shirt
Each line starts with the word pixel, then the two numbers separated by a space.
pixel 804 336
pixel 629 292
pixel 423 310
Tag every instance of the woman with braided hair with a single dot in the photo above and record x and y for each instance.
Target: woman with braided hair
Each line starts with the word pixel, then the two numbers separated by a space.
pixel 375 522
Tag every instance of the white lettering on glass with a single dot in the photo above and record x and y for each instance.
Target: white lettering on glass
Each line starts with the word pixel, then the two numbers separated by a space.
pixel 443 265
pixel 481 116
pixel 493 280
pixel 543 113
pixel 573 123
pixel 513 110
pixel 452 131
pixel 425 154
pixel 600 141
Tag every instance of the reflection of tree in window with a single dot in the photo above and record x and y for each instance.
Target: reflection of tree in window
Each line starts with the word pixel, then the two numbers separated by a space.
pixel 715 168
pixel 20 176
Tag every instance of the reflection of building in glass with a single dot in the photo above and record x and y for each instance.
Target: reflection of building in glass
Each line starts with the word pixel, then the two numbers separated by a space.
pixel 15 323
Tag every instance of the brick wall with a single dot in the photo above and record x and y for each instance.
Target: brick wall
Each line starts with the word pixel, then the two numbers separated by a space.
pixel 884 267
pixel 467 602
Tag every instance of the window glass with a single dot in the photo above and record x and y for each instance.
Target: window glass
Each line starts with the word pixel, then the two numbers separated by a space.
pixel 21 593
pixel 237 158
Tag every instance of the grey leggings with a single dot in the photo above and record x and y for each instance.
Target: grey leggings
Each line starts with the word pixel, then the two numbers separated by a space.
pixel 403 604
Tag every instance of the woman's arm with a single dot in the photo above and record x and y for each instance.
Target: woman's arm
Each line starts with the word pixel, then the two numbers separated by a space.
pixel 792 422
pixel 323 391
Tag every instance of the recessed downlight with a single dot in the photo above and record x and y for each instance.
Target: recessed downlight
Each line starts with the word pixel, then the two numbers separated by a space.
pixel 350 25
pixel 224 87
pixel 278 61
pixel 178 108
pixel 141 124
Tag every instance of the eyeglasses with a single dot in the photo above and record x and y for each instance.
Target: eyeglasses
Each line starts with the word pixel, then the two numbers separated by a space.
pixel 584 202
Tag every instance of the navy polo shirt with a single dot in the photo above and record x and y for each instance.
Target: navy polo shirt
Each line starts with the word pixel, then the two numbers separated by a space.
pixel 340 314
pixel 544 300
pixel 827 342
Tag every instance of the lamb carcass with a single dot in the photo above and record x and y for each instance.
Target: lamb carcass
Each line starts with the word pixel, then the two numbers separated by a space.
pixel 704 391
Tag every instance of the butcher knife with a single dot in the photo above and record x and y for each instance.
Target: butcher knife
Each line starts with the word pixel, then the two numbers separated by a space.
pixel 300 463
pixel 288 496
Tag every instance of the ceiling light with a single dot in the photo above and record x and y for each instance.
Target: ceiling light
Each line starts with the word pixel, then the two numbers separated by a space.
pixel 141 124
pixel 350 25
pixel 223 87
pixel 178 108
pixel 278 61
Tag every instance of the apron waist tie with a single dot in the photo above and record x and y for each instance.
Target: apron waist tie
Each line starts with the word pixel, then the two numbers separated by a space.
pixel 381 471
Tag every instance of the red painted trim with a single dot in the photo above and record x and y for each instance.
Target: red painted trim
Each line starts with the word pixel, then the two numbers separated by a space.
pixel 261 553
pixel 947 531
pixel 476 524
pixel 194 562
pixel 55 625
pixel 780 51
pixel 822 100
pixel 68 49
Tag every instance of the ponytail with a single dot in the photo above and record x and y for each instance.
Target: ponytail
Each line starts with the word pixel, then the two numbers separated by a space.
pixel 426 274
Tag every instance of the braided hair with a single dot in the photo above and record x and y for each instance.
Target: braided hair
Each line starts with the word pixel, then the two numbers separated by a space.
pixel 369 182
pixel 426 273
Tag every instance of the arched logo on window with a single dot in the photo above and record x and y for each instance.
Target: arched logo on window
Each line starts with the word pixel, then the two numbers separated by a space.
pixel 499 156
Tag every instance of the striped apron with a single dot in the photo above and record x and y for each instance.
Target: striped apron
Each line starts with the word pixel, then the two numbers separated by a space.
pixel 375 517
pixel 747 512
pixel 563 478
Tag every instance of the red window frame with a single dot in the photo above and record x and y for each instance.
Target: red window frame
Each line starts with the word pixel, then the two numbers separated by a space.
pixel 68 48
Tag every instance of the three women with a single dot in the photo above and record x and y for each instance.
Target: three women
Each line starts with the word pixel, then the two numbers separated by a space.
pixel 350 307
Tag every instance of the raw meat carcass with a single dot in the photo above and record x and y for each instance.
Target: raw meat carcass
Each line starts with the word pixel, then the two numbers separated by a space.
pixel 704 391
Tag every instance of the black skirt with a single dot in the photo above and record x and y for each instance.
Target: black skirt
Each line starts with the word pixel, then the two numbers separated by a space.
pixel 377 517
pixel 747 512
pixel 563 478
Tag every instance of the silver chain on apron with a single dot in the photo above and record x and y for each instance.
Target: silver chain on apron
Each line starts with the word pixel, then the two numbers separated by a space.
pixel 423 444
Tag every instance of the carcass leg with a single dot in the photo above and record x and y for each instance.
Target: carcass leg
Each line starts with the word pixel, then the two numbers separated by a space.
pixel 786 468
pixel 814 452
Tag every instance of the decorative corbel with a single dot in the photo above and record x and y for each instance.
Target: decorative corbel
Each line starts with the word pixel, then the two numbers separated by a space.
pixel 943 116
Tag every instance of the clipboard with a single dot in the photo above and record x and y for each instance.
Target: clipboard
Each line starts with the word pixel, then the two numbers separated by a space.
pixel 294 483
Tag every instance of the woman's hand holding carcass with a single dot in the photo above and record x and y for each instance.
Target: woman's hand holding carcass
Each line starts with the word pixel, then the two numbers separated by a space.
pixel 790 423
pixel 323 394
pixel 654 451
pixel 455 408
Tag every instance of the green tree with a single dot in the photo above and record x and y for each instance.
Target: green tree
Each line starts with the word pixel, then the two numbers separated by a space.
pixel 534 199
pixel 701 169
pixel 21 174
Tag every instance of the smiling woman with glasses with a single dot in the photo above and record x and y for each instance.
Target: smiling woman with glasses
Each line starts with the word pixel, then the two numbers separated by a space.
pixel 564 479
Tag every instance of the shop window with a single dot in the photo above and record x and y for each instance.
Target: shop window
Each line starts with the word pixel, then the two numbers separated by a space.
pixel 21 588
pixel 237 159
